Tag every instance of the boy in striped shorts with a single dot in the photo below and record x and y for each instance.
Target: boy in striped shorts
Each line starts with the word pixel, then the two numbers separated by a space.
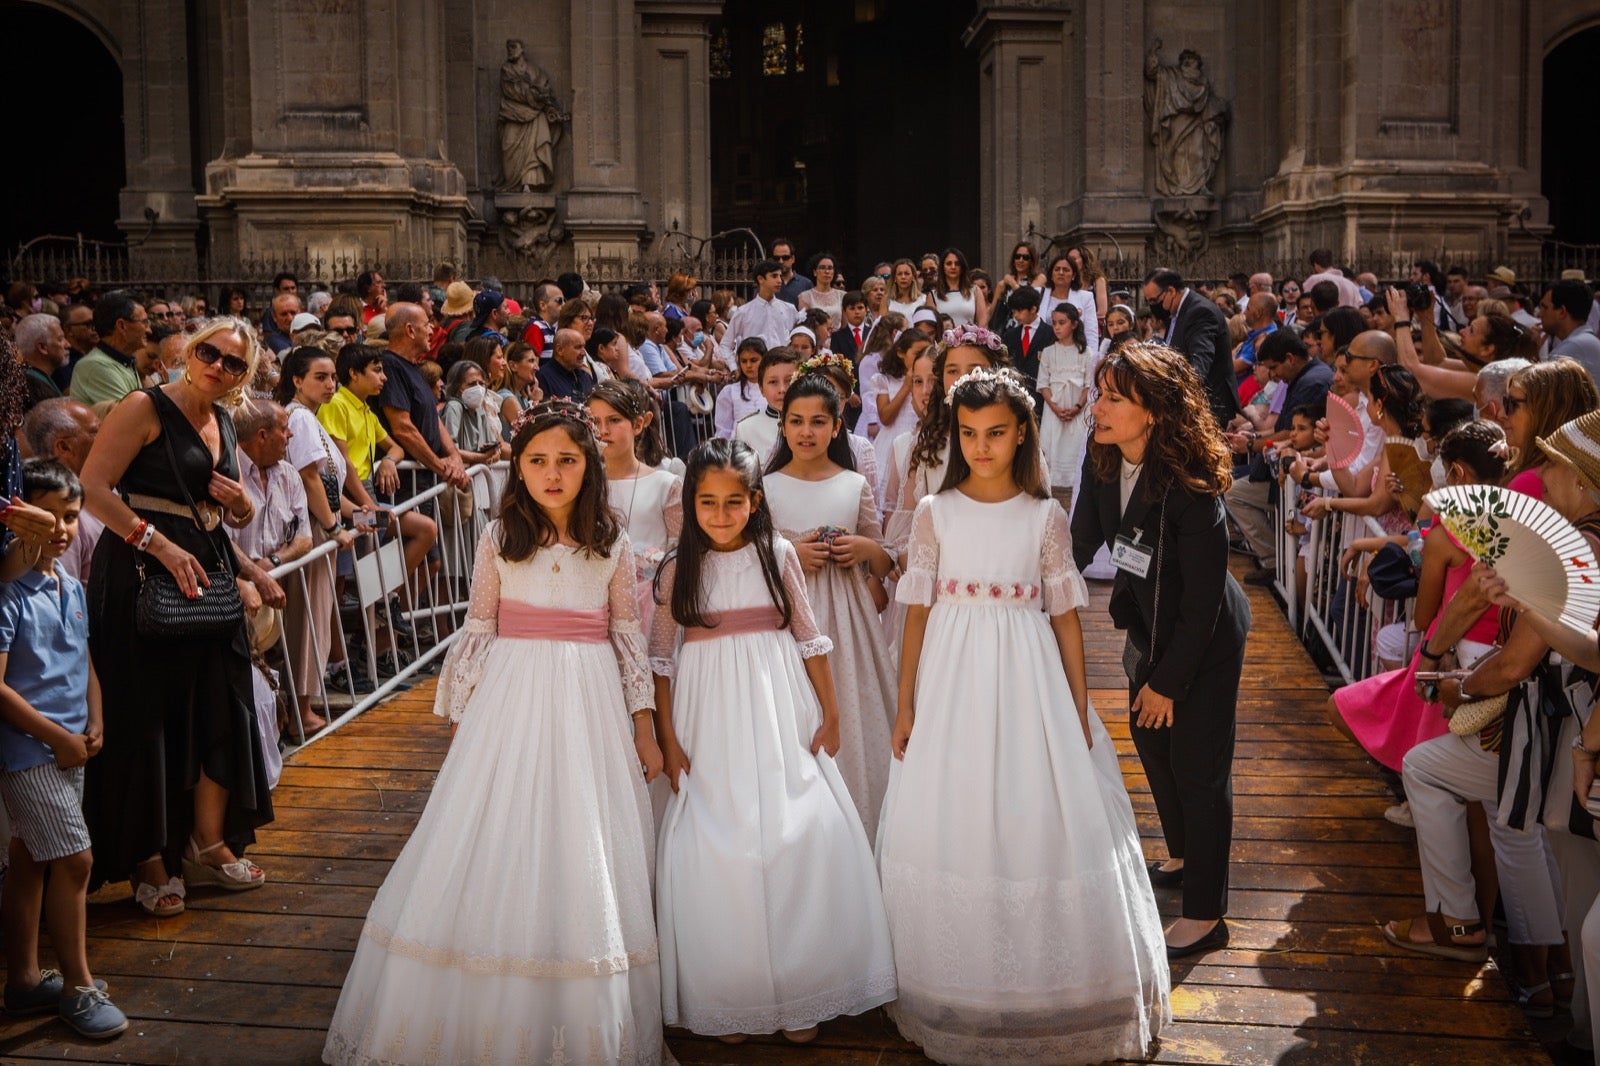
pixel 49 727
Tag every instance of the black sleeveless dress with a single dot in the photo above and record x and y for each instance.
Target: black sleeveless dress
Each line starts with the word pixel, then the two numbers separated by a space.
pixel 171 708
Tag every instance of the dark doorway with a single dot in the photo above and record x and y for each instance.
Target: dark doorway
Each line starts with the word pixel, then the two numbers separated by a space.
pixel 1570 154
pixel 846 125
pixel 66 166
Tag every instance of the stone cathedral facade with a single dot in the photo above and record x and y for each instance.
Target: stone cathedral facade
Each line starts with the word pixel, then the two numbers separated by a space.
pixel 567 130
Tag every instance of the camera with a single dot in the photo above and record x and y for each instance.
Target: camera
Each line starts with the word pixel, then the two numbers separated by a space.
pixel 1418 297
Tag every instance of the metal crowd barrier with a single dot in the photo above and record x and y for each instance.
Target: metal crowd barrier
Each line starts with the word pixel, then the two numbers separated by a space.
pixel 1330 612
pixel 422 612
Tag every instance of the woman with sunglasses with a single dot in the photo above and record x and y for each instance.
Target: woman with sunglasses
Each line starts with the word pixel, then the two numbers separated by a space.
pixel 1024 270
pixel 181 785
pixel 1540 399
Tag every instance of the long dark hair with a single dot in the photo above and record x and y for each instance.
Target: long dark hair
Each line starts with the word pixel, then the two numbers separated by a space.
pixel 1074 316
pixel 1186 447
pixel 1011 393
pixel 297 364
pixel 963 280
pixel 933 432
pixel 687 561
pixel 892 364
pixel 525 527
pixel 804 387
pixel 630 404
pixel 1396 388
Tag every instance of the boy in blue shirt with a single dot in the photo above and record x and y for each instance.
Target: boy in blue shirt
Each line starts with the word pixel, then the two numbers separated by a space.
pixel 50 726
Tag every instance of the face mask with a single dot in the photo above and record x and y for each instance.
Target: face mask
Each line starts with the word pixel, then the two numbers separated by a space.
pixel 472 396
pixel 37 304
pixel 699 338
pixel 175 374
pixel 1441 473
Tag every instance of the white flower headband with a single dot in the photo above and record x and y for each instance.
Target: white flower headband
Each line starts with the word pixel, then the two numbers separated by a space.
pixel 1006 379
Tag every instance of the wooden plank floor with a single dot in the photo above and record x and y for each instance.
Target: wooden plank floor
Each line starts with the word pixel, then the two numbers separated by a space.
pixel 253 978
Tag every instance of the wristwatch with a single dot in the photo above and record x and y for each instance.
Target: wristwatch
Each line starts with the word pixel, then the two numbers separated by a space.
pixel 275 561
pixel 329 531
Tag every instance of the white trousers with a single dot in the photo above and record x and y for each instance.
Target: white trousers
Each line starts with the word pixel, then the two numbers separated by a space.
pixel 1441 777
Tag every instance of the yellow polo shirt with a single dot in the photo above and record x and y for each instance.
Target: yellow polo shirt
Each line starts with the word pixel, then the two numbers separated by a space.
pixel 353 422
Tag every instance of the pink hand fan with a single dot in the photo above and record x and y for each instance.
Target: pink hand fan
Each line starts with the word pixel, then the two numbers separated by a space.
pixel 1345 434
pixel 1548 565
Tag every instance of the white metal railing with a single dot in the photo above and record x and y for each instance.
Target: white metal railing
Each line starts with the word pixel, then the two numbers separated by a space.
pixel 403 623
pixel 1330 610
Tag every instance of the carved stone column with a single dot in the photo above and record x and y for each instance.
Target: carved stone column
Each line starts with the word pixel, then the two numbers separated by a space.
pixel 1024 151
pixel 674 75
pixel 334 145
pixel 158 203
pixel 605 214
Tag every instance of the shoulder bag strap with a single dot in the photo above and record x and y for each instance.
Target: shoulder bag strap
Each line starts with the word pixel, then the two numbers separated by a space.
pixel 172 458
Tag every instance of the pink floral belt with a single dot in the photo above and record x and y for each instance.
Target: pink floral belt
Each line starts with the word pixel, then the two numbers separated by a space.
pixel 997 593
pixel 524 621
pixel 736 623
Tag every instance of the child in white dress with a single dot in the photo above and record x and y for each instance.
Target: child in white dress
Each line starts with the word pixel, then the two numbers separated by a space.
pixel 891 395
pixel 516 925
pixel 826 510
pixel 767 902
pixel 1023 921
pixel 1065 373
pixel 739 399
pixel 760 430
pixel 647 498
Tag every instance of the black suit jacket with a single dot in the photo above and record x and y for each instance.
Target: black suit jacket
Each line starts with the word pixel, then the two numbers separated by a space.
pixel 843 342
pixel 1204 615
pixel 1027 362
pixel 1201 334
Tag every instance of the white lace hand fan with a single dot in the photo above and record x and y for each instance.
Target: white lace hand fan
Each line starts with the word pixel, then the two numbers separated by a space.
pixel 1408 461
pixel 1345 434
pixel 1548 565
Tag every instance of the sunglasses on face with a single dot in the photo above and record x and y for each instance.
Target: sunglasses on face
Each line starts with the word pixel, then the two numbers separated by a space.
pixel 209 354
pixel 348 331
pixel 1513 404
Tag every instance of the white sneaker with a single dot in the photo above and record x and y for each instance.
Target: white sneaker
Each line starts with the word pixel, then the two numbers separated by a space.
pixel 1400 814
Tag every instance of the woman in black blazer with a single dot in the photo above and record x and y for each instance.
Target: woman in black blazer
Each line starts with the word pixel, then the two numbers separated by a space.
pixel 1152 490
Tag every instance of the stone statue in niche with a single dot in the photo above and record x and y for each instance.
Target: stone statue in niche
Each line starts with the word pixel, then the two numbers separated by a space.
pixel 531 118
pixel 1186 122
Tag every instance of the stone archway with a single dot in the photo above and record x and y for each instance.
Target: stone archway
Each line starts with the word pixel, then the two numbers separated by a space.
pixel 70 76
pixel 1570 155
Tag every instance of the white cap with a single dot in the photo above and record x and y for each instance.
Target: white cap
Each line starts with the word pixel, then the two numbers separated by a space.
pixel 304 320
pixel 924 314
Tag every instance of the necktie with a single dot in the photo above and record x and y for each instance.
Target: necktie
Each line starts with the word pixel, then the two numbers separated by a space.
pixel 1027 334
pixel 857 331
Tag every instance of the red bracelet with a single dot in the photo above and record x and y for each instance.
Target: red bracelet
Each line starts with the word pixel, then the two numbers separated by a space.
pixel 131 538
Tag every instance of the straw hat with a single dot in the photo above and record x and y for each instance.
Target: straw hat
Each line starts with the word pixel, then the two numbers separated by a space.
pixel 457 299
pixel 377 328
pixel 1577 444
pixel 266 627
pixel 1505 274
pixel 1573 274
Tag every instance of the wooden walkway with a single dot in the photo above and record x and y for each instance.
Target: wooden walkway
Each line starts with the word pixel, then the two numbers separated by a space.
pixel 253 978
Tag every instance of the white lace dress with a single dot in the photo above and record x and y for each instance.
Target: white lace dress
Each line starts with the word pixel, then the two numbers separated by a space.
pixel 516 925
pixel 767 902
pixel 651 508
pixel 864 672
pixel 1023 921
pixel 883 386
pixel 1065 372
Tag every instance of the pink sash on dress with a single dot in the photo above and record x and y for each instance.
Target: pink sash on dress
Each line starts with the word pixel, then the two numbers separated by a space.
pixel 737 623
pixel 524 621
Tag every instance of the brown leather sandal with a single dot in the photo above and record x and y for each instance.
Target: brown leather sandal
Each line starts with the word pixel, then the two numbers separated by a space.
pixel 1443 938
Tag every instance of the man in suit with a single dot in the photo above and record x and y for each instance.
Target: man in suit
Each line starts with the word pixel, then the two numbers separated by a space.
pixel 1199 330
pixel 1027 338
pixel 848 340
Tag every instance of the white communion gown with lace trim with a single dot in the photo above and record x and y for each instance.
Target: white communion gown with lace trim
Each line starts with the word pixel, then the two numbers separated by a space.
pixel 767 902
pixel 864 673
pixel 651 509
pixel 516 926
pixel 1024 926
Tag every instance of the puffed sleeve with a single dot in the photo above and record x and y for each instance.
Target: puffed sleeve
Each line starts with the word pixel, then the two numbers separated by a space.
pixel 802 623
pixel 663 627
pixel 1064 589
pixel 921 562
pixel 463 664
pixel 626 639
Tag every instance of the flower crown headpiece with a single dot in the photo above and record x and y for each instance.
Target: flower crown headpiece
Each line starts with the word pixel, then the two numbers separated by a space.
pixel 973 336
pixel 563 407
pixel 1005 378
pixel 824 359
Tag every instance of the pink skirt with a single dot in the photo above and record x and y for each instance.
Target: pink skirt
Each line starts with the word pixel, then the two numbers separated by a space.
pixel 1387 716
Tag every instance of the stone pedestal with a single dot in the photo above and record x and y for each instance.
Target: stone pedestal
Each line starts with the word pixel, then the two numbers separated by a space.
pixel 1183 226
pixel 529 223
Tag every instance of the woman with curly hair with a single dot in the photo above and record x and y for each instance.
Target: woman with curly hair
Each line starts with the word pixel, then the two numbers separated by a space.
pixel 1152 492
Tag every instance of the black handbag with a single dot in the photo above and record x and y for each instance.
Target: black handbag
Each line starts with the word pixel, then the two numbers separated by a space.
pixel 163 612
pixel 1391 575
